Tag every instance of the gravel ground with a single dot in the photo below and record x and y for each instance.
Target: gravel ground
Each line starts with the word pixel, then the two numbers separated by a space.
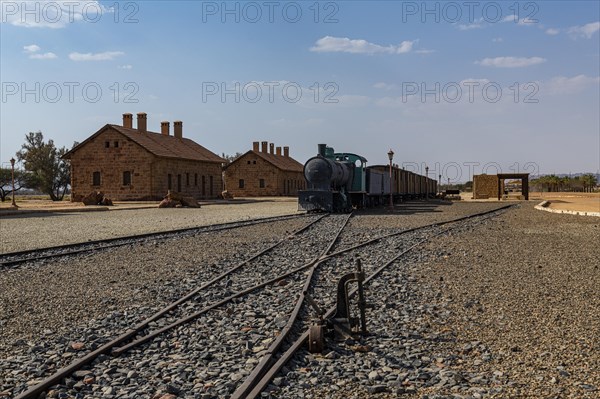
pixel 18 233
pixel 74 290
pixel 509 308
pixel 435 320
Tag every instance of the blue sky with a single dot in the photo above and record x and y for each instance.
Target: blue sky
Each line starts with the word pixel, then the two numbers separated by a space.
pixel 461 87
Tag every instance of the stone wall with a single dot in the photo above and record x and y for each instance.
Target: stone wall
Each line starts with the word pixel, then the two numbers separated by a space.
pixel 111 154
pixel 200 180
pixel 485 186
pixel 251 168
pixel 149 174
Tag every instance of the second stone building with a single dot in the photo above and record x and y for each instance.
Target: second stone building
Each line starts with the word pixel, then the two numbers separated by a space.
pixel 264 171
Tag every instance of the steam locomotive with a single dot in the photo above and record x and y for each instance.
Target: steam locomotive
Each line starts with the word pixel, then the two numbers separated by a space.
pixel 339 182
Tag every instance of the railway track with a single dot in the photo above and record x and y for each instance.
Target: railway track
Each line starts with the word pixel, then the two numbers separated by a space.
pixel 229 289
pixel 271 364
pixel 12 259
pixel 142 327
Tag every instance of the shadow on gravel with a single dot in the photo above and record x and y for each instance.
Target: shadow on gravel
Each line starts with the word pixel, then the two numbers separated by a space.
pixel 407 208
pixel 35 215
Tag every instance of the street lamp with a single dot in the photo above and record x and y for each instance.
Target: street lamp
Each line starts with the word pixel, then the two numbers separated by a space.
pixel 427 183
pixel 12 167
pixel 439 190
pixel 391 157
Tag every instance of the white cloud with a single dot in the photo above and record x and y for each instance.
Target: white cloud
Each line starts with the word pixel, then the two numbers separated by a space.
pixel 32 48
pixel 330 44
pixel 552 31
pixel 385 86
pixel 125 66
pixel 33 51
pixel 497 40
pixel 527 22
pixel 522 22
pixel 471 82
pixel 105 56
pixel 45 56
pixel 511 62
pixel 586 30
pixel 54 14
pixel 352 100
pixel 470 26
pixel 565 85
pixel 424 51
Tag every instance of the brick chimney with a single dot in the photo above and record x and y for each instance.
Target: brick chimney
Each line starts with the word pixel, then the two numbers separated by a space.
pixel 271 148
pixel 255 146
pixel 286 152
pixel 128 121
pixel 264 145
pixel 278 149
pixel 178 129
pixel 142 122
pixel 164 128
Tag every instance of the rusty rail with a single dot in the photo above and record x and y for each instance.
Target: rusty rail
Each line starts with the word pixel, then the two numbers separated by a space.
pixel 19 257
pixel 257 386
pixel 266 360
pixel 55 378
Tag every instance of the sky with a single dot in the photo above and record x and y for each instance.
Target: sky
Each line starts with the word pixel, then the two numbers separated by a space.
pixel 461 87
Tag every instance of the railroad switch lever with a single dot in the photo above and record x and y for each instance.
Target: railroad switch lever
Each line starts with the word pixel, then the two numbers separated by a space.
pixel 341 323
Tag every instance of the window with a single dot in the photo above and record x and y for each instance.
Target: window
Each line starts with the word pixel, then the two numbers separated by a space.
pixel 211 185
pixel 187 179
pixel 241 183
pixel 107 144
pixel 196 179
pixel 127 178
pixel 261 183
pixel 178 183
pixel 96 178
pixel 116 144
pixel 169 181
pixel 203 186
pixel 248 162
pixel 254 162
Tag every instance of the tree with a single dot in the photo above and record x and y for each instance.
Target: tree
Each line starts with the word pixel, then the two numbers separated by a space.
pixel 231 158
pixel 22 179
pixel 50 173
pixel 589 182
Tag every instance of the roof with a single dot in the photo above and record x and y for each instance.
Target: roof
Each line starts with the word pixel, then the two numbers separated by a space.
pixel 279 161
pixel 160 145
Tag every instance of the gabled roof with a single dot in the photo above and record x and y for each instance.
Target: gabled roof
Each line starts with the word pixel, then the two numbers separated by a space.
pixel 279 161
pixel 159 145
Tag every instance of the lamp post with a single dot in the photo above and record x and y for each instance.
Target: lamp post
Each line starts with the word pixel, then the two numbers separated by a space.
pixel 448 187
pixel 12 167
pixel 427 183
pixel 439 183
pixel 391 157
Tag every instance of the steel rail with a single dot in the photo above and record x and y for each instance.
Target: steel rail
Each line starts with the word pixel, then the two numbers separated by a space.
pixel 266 360
pixel 186 319
pixel 129 334
pixel 260 385
pixel 64 372
pixel 88 246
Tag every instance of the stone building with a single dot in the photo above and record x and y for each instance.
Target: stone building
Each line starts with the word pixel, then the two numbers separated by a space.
pixel 264 172
pixel 485 186
pixel 136 164
pixel 492 186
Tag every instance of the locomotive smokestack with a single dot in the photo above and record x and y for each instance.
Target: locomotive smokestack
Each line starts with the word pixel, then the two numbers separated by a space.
pixel 321 151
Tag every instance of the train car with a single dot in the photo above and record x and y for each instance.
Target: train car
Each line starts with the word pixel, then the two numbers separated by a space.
pixel 340 182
